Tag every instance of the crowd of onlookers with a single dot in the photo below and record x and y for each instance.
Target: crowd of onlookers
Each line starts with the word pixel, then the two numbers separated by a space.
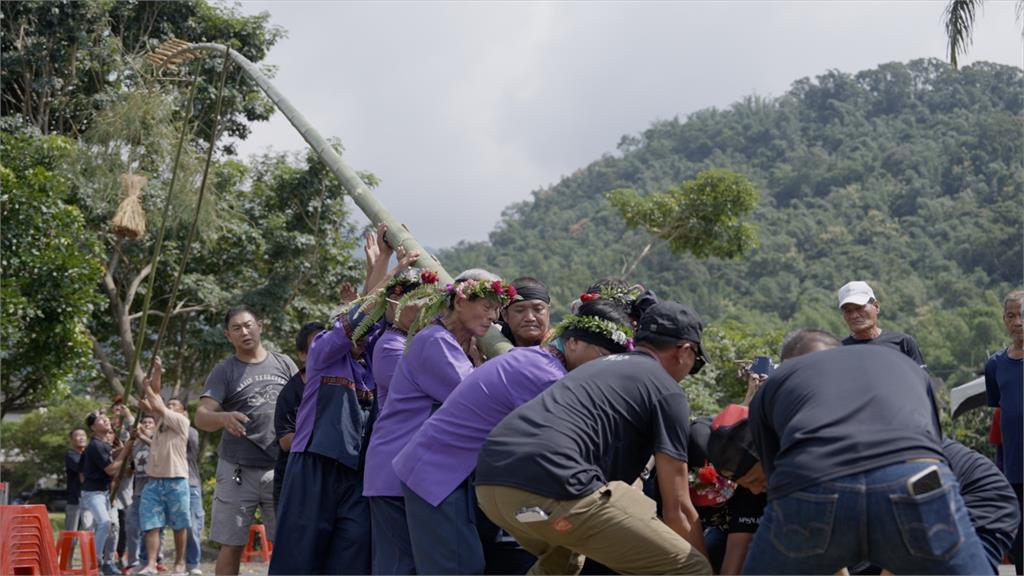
pixel 406 444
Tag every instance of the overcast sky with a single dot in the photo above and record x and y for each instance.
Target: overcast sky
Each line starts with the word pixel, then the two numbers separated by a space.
pixel 463 108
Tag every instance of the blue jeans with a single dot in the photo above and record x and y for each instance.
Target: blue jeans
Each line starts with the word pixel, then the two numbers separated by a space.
pixel 193 549
pixel 132 532
pixel 870 517
pixel 98 504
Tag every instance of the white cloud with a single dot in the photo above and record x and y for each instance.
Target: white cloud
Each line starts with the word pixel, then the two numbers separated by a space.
pixel 463 108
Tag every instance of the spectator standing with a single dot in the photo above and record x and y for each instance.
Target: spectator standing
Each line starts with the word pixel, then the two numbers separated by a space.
pixel 240 397
pixel 1004 386
pixel 165 499
pixel 194 549
pixel 75 516
pixel 99 462
pixel 860 310
pixel 139 457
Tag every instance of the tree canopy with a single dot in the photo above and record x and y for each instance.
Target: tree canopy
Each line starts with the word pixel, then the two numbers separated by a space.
pixel 908 176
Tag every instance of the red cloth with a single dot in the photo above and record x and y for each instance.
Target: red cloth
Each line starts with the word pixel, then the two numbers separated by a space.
pixel 995 434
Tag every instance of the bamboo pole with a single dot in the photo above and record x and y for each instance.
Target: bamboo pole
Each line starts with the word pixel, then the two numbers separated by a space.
pixel 493 343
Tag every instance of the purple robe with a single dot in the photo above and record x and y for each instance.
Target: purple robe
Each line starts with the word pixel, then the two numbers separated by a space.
pixel 444 451
pixel 387 351
pixel 432 367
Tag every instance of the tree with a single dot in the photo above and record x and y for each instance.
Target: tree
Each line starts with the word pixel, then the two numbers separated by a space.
pixel 37 443
pixel 51 267
pixel 959 17
pixel 65 60
pixel 704 218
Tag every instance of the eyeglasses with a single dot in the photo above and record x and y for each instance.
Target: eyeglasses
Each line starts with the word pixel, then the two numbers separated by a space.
pixel 699 361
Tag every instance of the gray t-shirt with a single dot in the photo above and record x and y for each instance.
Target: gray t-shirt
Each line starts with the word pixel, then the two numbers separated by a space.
pixel 140 457
pixel 251 389
pixel 193 456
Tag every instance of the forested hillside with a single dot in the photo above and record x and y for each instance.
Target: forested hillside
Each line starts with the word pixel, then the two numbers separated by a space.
pixel 908 176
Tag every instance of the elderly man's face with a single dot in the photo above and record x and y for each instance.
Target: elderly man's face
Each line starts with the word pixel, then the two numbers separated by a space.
pixel 1012 319
pixel 79 439
pixel 860 318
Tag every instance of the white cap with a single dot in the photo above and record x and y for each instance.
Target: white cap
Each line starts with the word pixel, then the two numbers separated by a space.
pixel 857 292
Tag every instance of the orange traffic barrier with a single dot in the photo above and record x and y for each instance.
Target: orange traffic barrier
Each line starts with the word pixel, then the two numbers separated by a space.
pixel 266 546
pixel 26 541
pixel 66 550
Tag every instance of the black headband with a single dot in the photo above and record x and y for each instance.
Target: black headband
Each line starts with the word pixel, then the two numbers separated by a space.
pixel 532 293
pixel 593 338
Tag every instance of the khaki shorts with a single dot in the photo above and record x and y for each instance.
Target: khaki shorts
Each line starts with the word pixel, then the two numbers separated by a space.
pixel 616 525
pixel 234 502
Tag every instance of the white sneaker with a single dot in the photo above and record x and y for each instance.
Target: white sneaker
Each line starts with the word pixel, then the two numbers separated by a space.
pixel 195 572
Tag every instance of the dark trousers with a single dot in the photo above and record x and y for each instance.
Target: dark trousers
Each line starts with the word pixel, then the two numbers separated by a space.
pixel 444 538
pixel 324 521
pixel 392 551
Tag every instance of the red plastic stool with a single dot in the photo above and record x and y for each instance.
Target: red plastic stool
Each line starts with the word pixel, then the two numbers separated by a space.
pixel 26 541
pixel 66 550
pixel 266 546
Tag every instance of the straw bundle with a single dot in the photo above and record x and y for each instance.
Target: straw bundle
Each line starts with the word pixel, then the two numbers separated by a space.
pixel 129 220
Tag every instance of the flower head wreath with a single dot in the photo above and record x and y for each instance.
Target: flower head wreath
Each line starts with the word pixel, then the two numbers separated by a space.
pixel 434 300
pixel 373 306
pixel 617 333
pixel 624 296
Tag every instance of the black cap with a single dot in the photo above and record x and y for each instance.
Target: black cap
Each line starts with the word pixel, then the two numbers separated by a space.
pixel 673 320
pixel 731 445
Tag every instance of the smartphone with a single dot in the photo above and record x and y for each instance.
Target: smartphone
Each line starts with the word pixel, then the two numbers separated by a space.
pixel 531 514
pixel 762 365
pixel 925 481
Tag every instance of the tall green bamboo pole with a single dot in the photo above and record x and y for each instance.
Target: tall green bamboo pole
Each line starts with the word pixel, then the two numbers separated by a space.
pixel 493 343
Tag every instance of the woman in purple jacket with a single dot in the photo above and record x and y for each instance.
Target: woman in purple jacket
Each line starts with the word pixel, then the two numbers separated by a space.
pixel 435 467
pixel 441 352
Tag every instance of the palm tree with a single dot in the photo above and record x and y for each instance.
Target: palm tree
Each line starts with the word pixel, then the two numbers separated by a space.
pixel 959 18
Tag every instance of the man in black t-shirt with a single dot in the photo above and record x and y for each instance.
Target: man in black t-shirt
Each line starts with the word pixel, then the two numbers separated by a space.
pixel 849 438
pixel 860 312
pixel 98 465
pixel 556 472
pixel 75 515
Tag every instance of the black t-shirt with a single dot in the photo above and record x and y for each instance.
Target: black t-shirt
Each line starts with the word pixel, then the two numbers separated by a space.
pixel 991 502
pixel 904 343
pixel 71 460
pixel 837 412
pixel 284 418
pixel 95 458
pixel 598 424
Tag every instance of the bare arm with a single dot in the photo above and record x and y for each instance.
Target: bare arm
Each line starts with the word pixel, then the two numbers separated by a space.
pixel 677 510
pixel 210 418
pixel 286 441
pixel 152 385
pixel 378 253
pixel 113 468
pixel 736 546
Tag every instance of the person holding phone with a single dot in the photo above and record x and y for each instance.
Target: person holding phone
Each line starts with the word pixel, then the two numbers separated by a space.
pixel 850 441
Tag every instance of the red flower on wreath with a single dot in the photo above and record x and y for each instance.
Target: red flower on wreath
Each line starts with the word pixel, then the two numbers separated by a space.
pixel 587 297
pixel 496 286
pixel 428 277
pixel 707 474
pixel 511 292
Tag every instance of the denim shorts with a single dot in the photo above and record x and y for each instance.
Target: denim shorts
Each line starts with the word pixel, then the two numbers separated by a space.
pixel 165 502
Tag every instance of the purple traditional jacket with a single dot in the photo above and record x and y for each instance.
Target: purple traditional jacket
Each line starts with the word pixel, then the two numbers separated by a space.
pixel 330 421
pixel 444 451
pixel 387 351
pixel 432 367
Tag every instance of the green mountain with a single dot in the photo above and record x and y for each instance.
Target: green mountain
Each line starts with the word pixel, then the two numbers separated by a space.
pixel 908 176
